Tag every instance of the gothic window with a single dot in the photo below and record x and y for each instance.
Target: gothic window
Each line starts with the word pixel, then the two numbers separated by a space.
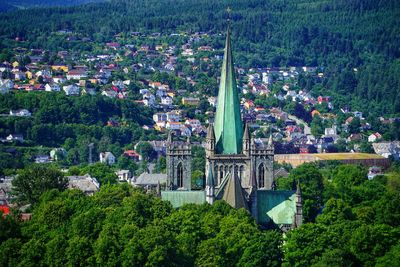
pixel 261 172
pixel 221 174
pixel 237 172
pixel 180 175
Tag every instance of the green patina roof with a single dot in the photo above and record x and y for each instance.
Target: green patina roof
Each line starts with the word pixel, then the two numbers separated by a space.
pixel 278 206
pixel 228 124
pixel 180 198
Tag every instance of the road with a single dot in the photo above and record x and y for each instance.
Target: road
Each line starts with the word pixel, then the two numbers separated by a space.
pixel 307 129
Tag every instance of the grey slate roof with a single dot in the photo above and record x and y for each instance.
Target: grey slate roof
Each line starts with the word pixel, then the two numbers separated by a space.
pixel 151 179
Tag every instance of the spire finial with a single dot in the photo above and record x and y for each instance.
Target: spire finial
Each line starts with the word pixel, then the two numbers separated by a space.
pixel 229 11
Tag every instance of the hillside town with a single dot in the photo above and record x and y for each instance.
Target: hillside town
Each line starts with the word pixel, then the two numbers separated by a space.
pixel 178 81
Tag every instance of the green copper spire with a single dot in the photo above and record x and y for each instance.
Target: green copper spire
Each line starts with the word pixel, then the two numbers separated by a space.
pixel 228 124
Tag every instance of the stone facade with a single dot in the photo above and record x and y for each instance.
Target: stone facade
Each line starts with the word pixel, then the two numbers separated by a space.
pixel 179 162
pixel 255 162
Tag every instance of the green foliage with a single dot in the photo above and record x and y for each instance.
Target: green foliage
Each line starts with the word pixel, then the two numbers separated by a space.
pixel 32 182
pixel 102 172
pixel 120 225
pixel 311 183
pixel 358 225
pixel 72 123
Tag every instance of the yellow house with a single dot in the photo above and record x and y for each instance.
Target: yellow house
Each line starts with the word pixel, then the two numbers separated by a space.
pixel 57 67
pixel 171 94
pixel 15 64
pixel 93 81
pixel 192 101
pixel 29 75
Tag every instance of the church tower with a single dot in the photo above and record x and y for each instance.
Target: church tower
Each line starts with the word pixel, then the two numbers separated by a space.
pixel 238 168
pixel 179 161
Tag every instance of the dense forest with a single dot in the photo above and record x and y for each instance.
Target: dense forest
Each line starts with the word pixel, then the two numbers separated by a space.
pixel 7 5
pixel 354 42
pixel 123 226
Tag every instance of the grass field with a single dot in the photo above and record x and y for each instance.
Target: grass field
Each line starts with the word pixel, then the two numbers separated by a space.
pixel 344 156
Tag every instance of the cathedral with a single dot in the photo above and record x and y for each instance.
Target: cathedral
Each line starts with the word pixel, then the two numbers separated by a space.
pixel 238 170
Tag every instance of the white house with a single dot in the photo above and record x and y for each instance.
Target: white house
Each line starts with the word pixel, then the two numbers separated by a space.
pixel 52 87
pixel 107 157
pixel 71 89
pixel 5 86
pixel 166 101
pixel 15 137
pixel 42 159
pixel 109 93
pixel 59 79
pixel 374 137
pixel 173 125
pixel 124 175
pixel 76 74
pixel 149 99
pixel 158 117
pixel 173 115
pixel 20 113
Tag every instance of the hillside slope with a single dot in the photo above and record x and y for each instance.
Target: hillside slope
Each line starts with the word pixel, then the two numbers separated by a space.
pixel 339 36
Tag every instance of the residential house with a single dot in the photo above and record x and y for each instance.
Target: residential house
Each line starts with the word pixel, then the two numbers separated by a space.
pixel 6 85
pixel 20 113
pixel 185 130
pixel 158 117
pixel 124 175
pixel 174 115
pixel 150 180
pixel 387 149
pixel 59 79
pixel 18 75
pixel 331 131
pixel 213 101
pixel 374 171
pixel 173 126
pixel 42 159
pixel 149 100
pixel 374 137
pixel 52 87
pixel 191 101
pixel 109 93
pixel 87 184
pixel 76 74
pixel 194 123
pixel 58 154
pixel 71 89
pixel 160 147
pixel 15 137
pixel 167 101
pixel 132 154
pixel 355 137
pixel 107 158
pixel 59 67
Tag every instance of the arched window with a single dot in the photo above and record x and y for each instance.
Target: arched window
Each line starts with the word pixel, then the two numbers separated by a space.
pixel 221 174
pixel 261 172
pixel 180 175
